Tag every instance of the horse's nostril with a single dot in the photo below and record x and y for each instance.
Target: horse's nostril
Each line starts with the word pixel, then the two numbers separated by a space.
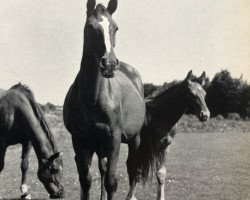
pixel 202 114
pixel 103 61
pixel 117 61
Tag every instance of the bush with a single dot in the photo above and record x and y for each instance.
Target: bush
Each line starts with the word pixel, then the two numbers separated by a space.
pixel 48 107
pixel 233 116
pixel 219 117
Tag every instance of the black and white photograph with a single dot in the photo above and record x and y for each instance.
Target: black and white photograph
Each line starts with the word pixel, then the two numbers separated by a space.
pixel 125 100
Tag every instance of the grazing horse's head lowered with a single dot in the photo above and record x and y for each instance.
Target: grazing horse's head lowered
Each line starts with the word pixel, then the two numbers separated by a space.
pixel 50 174
pixel 99 36
pixel 196 95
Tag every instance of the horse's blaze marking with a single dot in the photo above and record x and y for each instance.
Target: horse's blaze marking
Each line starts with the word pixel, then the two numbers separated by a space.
pixel 105 25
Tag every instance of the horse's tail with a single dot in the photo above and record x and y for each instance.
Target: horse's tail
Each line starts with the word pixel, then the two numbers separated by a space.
pixel 149 156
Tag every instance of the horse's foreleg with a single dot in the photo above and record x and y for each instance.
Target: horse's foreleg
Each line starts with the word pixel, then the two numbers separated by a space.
pixel 161 177
pixel 111 182
pixel 3 148
pixel 133 146
pixel 83 160
pixel 102 162
pixel 24 168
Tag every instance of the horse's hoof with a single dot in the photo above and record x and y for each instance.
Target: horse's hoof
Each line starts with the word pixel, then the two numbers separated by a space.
pixel 26 196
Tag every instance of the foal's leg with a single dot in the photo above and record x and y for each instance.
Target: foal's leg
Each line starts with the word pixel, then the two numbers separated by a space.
pixel 161 176
pixel 24 168
pixel 111 182
pixel 83 160
pixel 133 146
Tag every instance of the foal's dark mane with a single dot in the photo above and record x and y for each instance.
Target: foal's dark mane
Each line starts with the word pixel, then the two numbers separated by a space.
pixel 37 110
pixel 173 86
pixel 154 102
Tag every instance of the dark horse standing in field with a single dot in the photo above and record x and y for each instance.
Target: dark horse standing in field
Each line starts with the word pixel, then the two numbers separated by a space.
pixel 162 114
pixel 105 104
pixel 22 121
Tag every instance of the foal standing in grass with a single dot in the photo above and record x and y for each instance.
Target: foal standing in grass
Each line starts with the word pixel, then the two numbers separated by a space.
pixel 162 114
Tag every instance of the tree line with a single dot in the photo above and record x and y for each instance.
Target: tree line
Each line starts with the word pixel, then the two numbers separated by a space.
pixel 225 94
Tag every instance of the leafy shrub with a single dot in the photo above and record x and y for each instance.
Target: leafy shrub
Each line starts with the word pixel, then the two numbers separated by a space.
pixel 219 117
pixel 233 116
pixel 48 107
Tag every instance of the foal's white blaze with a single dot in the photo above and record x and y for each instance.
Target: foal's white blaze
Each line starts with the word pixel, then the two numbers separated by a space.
pixel 105 25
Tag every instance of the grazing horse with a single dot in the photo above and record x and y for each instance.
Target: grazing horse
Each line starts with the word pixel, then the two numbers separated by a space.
pixel 105 104
pixel 22 121
pixel 162 114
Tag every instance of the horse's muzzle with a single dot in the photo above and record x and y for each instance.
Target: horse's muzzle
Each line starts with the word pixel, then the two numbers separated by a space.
pixel 204 116
pixel 108 68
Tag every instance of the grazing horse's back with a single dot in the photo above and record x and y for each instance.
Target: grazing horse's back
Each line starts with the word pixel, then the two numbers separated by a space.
pixel 9 100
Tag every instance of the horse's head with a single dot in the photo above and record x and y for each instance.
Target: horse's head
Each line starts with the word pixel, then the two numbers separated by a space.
pixel 50 174
pixel 196 95
pixel 99 36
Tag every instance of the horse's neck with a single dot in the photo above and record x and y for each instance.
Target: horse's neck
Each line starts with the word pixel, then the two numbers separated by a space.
pixel 89 79
pixel 169 107
pixel 43 146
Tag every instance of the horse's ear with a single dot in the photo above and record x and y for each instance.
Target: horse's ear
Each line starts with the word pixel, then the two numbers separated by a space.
pixel 112 6
pixel 190 75
pixel 90 6
pixel 202 78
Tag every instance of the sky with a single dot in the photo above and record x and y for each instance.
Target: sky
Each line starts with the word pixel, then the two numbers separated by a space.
pixel 41 41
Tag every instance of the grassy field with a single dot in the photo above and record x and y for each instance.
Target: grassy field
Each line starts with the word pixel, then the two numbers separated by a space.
pixel 211 161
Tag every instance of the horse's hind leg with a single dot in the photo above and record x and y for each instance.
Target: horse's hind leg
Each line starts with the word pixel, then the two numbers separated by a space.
pixel 83 160
pixel 133 146
pixel 24 168
pixel 161 176
pixel 102 163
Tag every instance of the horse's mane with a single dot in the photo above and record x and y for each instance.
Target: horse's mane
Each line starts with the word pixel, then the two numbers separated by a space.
pixel 152 103
pixel 168 90
pixel 100 9
pixel 24 88
pixel 37 111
